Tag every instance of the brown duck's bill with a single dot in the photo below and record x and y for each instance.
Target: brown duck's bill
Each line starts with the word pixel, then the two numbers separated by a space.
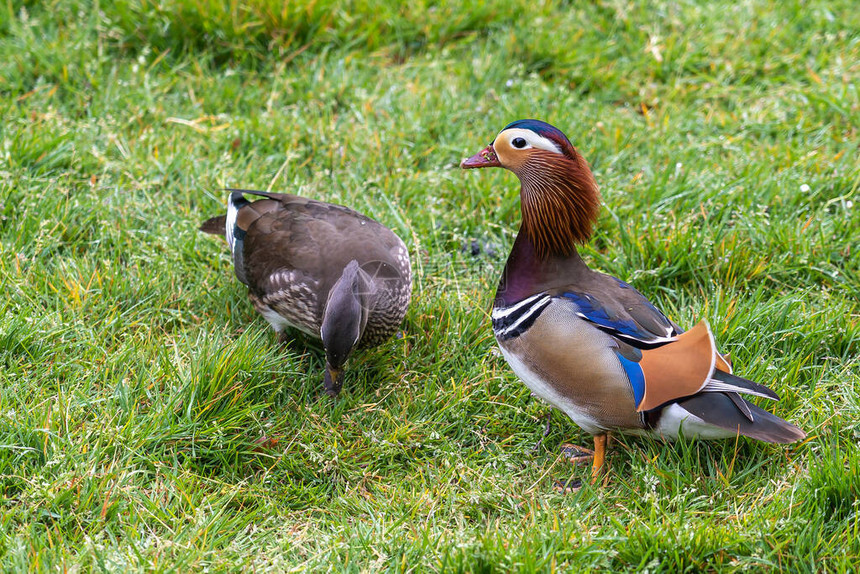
pixel 484 158
pixel 333 381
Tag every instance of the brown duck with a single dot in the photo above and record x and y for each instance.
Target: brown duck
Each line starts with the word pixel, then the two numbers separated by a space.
pixel 321 268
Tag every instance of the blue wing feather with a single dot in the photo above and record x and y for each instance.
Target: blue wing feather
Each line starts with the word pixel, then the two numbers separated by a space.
pixel 635 376
pixel 635 321
pixel 592 310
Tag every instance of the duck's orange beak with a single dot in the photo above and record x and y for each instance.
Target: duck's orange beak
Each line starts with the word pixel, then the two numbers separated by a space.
pixel 484 158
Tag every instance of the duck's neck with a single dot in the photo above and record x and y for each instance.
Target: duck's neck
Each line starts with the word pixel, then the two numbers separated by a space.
pixel 560 202
pixel 527 274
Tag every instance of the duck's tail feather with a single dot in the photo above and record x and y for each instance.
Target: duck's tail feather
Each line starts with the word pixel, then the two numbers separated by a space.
pixel 215 225
pixel 720 410
pixel 235 201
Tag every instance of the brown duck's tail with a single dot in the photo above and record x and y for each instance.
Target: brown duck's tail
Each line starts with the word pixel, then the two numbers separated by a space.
pixel 215 225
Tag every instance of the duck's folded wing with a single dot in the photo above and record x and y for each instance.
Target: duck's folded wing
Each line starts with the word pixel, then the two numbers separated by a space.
pixel 664 363
pixel 620 310
pixel 687 366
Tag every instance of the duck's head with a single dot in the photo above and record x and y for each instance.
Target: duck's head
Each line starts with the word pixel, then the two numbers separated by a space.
pixel 559 196
pixel 343 323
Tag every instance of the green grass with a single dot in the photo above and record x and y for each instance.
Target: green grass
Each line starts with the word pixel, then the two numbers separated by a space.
pixel 150 422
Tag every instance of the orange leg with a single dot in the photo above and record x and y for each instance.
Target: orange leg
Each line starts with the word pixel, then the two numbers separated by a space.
pixel 580 455
pixel 600 442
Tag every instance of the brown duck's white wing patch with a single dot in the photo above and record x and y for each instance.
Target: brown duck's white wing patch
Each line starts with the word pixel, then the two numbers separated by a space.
pixel 678 369
pixel 241 215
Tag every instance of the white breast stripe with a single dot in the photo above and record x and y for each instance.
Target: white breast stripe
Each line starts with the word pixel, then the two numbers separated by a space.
pixel 513 321
pixel 502 312
pixel 536 308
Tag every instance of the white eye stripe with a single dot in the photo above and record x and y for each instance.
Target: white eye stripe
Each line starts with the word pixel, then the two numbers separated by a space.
pixel 532 139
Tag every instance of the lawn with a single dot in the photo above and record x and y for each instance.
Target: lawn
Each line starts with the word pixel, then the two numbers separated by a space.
pixel 149 420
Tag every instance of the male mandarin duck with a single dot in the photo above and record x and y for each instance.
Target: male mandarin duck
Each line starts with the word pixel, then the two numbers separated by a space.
pixel 324 269
pixel 590 344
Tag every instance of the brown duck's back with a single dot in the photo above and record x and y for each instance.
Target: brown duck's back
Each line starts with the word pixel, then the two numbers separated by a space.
pixel 315 238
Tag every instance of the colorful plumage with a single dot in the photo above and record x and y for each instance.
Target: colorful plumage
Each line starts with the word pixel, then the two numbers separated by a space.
pixel 324 269
pixel 590 344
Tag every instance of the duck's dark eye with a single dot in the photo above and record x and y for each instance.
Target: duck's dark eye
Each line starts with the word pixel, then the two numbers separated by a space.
pixel 518 143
